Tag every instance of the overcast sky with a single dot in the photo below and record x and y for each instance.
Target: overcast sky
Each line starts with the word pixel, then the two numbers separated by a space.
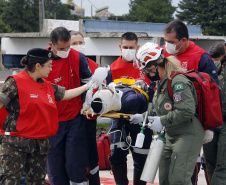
pixel 117 7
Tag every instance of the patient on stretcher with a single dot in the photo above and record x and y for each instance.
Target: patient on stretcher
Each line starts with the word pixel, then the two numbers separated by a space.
pixel 125 96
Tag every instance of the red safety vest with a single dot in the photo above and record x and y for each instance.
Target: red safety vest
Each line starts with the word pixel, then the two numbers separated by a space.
pixel 3 114
pixel 191 56
pixel 120 69
pixel 65 72
pixel 92 65
pixel 38 112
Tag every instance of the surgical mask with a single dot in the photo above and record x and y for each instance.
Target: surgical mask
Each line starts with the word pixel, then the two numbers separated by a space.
pixel 62 54
pixel 79 48
pixel 128 54
pixel 171 48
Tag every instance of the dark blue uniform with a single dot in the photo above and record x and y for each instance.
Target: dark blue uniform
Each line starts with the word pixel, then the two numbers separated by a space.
pixel 132 103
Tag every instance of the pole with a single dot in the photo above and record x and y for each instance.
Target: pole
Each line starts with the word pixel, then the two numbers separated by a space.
pixel 40 15
pixel 91 12
pixel 43 9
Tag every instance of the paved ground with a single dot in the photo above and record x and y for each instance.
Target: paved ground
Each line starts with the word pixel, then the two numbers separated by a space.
pixel 107 174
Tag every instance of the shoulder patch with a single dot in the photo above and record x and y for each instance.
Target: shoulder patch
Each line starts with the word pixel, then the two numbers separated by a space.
pixel 178 98
pixel 178 86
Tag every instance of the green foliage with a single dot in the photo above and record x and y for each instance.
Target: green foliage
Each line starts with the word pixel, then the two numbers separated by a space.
pixel 22 15
pixel 103 125
pixel 4 28
pixel 210 14
pixel 150 11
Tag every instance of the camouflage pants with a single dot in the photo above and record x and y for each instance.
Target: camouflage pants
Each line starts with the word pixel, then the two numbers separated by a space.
pixel 22 155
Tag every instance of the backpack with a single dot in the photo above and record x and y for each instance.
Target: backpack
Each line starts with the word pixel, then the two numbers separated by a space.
pixel 209 110
pixel 103 147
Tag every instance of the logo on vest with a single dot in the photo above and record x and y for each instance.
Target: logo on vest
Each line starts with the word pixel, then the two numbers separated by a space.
pixel 33 95
pixel 58 79
pixel 71 72
pixel 50 98
pixel 127 77
pixel 184 65
pixel 142 76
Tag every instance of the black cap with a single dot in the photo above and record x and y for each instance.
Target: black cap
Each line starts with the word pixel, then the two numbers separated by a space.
pixel 40 53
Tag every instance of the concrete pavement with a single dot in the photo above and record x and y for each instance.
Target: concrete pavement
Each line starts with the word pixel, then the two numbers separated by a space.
pixel 107 173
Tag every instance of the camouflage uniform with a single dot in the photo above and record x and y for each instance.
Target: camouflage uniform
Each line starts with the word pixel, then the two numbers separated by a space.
pixel 215 151
pixel 20 154
pixel 183 132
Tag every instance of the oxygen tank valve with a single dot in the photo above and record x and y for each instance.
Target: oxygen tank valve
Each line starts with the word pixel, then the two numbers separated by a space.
pixel 140 138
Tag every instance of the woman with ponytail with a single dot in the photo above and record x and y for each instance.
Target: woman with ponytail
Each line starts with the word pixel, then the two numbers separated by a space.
pixel 32 118
pixel 183 131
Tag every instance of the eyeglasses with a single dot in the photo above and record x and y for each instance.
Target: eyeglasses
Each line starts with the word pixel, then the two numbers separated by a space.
pixel 150 70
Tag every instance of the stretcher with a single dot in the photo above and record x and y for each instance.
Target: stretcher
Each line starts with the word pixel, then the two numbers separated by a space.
pixel 112 115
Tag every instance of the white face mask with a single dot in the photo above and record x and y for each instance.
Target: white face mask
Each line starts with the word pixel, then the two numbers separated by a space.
pixel 79 48
pixel 171 48
pixel 128 54
pixel 62 54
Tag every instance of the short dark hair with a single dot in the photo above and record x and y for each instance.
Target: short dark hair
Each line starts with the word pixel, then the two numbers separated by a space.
pixel 60 33
pixel 217 50
pixel 75 33
pixel 179 27
pixel 129 36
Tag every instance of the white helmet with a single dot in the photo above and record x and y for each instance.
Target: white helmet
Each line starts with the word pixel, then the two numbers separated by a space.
pixel 149 54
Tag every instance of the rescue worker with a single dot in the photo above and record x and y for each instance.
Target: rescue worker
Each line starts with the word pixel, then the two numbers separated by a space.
pixel 30 101
pixel 215 151
pixel 183 132
pixel 191 57
pixel 78 43
pixel 70 69
pixel 124 67
pixel 129 97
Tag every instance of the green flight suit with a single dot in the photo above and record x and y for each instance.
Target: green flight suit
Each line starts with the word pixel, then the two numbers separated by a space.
pixel 215 151
pixel 183 132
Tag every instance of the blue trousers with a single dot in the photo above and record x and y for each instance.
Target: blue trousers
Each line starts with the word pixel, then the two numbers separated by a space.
pixel 68 156
pixel 92 144
pixel 119 156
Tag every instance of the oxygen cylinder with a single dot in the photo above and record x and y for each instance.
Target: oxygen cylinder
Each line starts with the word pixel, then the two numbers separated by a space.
pixel 153 159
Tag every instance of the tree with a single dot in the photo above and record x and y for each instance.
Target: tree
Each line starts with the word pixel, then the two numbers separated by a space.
pixel 22 15
pixel 150 11
pixel 4 28
pixel 210 15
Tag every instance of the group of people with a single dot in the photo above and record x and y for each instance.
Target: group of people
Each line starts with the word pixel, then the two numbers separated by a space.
pixel 42 134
